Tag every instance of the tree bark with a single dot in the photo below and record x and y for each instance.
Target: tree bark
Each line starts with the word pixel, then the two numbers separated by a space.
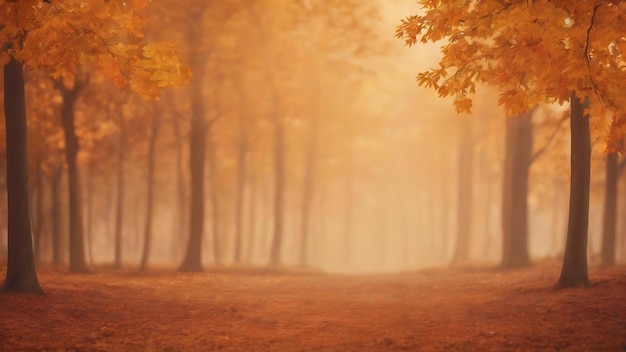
pixel 279 189
pixel 40 218
pixel 242 153
pixel 55 213
pixel 215 205
pixel 610 210
pixel 118 235
pixel 76 231
pixel 147 233
pixel 308 190
pixel 574 271
pixel 197 151
pixel 518 152
pixel 464 204
pixel 21 275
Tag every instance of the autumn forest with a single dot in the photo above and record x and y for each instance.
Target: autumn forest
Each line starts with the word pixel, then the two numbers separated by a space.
pixel 313 175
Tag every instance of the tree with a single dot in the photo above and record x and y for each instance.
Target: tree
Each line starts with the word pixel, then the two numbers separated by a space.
pixel 21 275
pixel 534 52
pixel 58 37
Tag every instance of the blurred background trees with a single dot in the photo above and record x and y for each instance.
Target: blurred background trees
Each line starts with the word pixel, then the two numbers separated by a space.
pixel 302 140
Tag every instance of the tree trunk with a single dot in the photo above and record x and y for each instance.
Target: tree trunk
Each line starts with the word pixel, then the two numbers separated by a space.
pixel 279 189
pixel 610 210
pixel 181 225
pixel 55 213
pixel 241 183
pixel 40 218
pixel 147 234
pixel 308 190
pixel 518 152
pixel 215 205
pixel 76 231
pixel 118 236
pixel 89 215
pixel 574 271
pixel 197 151
pixel 21 275
pixel 464 205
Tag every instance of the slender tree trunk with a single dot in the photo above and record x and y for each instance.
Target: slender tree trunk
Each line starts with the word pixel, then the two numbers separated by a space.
pixel 308 189
pixel 21 275
pixel 89 214
pixel 181 212
pixel 147 234
pixel 215 204
pixel 40 223
pixel 55 213
pixel 252 220
pixel 197 151
pixel 118 236
pixel 279 189
pixel 445 208
pixel 242 153
pixel 518 152
pixel 574 271
pixel 464 205
pixel 349 212
pixel 610 210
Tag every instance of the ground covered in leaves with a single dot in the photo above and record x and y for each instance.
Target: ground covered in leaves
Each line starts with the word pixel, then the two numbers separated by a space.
pixel 458 309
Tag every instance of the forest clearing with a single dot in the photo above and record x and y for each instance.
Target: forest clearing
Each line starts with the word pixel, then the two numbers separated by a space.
pixel 452 309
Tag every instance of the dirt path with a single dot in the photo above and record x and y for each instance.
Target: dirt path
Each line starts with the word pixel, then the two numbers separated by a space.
pixel 437 310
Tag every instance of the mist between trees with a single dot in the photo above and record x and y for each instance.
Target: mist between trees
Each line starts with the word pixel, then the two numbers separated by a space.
pixel 301 139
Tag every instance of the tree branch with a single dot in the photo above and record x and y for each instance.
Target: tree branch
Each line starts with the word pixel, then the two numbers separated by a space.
pixel 542 150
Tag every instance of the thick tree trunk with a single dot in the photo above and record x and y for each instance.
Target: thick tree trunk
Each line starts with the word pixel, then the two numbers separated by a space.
pixel 610 210
pixel 279 189
pixel 21 275
pixel 197 151
pixel 518 152
pixel 76 231
pixel 574 271
pixel 55 213
pixel 464 204
pixel 147 234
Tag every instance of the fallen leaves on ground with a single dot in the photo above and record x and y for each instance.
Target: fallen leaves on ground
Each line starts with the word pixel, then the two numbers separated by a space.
pixel 453 309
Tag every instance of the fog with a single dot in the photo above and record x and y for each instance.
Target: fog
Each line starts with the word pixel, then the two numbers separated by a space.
pixel 370 170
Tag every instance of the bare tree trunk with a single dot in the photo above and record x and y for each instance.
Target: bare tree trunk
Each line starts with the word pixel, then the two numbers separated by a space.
pixel 89 214
pixel 55 213
pixel 121 193
pixel 574 271
pixel 308 189
pixel 465 182
pixel 76 231
pixel 21 275
pixel 147 235
pixel 197 151
pixel 40 218
pixel 518 152
pixel 215 204
pixel 279 189
pixel 242 153
pixel 610 210
pixel 181 212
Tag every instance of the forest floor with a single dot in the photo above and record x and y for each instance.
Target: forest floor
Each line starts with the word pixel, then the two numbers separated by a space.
pixel 448 309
